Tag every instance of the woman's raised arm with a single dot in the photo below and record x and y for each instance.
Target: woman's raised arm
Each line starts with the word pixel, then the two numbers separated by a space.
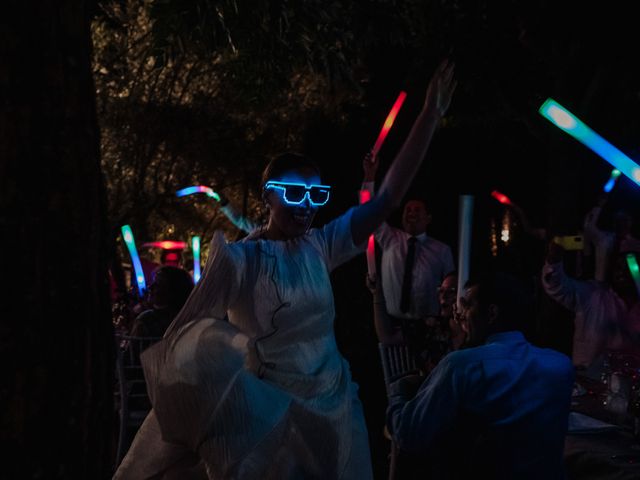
pixel 367 217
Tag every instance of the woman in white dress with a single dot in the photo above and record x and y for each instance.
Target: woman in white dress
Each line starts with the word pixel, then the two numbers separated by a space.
pixel 268 395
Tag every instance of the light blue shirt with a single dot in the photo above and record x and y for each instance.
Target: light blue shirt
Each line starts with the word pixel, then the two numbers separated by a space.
pixel 516 395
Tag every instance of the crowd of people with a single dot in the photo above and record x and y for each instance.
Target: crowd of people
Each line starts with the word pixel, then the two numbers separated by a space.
pixel 248 381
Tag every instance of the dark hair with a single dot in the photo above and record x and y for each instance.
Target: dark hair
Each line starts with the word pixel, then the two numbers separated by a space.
pixel 452 273
pixel 176 285
pixel 287 162
pixel 508 293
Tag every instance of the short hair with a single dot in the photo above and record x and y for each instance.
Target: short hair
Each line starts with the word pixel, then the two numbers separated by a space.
pixel 508 293
pixel 287 162
pixel 452 273
pixel 177 284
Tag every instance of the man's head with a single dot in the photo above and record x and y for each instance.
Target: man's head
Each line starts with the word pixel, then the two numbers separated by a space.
pixel 447 294
pixel 170 288
pixel 492 303
pixel 415 217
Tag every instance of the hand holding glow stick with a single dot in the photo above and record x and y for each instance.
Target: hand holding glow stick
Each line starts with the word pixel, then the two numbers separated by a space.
pixel 501 197
pixel 615 173
pixel 127 235
pixel 565 120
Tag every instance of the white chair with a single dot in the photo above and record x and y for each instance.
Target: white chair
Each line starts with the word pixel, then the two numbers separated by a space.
pixel 397 361
pixel 132 400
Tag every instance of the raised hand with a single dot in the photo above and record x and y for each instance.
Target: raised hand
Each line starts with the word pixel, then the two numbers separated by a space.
pixel 441 88
pixel 370 165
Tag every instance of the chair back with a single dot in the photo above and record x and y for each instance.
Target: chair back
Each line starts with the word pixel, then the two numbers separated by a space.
pixel 397 361
pixel 132 399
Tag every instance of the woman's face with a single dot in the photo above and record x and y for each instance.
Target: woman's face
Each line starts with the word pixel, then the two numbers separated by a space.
pixel 285 220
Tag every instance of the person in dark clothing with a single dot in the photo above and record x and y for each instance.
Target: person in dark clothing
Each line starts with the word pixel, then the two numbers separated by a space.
pixel 167 294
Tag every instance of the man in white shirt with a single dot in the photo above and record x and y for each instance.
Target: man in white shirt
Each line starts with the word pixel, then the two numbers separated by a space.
pixel 413 264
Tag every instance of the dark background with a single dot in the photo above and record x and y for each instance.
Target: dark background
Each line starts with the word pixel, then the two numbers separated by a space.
pixel 111 106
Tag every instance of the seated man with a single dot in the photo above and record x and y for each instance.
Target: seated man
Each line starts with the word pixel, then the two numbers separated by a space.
pixel 503 403
pixel 430 339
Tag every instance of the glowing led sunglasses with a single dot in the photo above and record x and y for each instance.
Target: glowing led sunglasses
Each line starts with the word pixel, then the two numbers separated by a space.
pixel 295 193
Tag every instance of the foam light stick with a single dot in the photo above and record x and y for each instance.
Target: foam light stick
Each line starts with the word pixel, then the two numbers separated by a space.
pixel 465 221
pixel 195 246
pixel 634 269
pixel 365 196
pixel 167 245
pixel 388 123
pixel 198 189
pixel 565 120
pixel 503 199
pixel 615 173
pixel 127 235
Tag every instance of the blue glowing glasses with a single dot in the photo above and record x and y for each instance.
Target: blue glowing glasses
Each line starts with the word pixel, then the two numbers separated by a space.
pixel 295 193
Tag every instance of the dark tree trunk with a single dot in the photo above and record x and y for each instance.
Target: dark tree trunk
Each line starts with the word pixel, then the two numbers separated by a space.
pixel 55 338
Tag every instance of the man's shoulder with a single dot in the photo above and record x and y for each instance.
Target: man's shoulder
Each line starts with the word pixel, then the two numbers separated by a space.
pixel 437 244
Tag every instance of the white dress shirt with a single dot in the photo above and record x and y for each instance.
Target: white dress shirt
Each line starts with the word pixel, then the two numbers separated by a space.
pixel 433 260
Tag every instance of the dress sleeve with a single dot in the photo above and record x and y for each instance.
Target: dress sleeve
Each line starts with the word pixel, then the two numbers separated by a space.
pixel 385 234
pixel 218 287
pixel 337 241
pixel 562 288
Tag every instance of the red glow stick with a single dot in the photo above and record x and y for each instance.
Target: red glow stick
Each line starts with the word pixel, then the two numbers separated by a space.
pixel 167 245
pixel 388 123
pixel 365 196
pixel 501 197
pixel 371 258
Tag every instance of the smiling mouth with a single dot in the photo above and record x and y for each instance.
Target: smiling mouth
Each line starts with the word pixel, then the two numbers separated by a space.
pixel 302 219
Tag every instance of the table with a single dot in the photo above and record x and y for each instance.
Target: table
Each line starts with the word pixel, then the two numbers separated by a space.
pixel 604 455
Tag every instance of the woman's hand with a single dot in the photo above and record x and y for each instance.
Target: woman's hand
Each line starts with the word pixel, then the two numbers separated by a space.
pixel 370 165
pixel 440 90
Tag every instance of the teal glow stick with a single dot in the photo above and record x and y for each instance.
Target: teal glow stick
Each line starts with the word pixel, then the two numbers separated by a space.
pixel 195 246
pixel 565 120
pixel 127 235
pixel 635 271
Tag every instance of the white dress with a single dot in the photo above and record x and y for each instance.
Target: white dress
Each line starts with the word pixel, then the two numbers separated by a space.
pixel 268 394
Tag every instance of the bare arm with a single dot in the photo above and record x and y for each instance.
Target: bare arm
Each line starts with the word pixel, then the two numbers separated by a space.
pixel 367 217
pixel 385 331
pixel 235 216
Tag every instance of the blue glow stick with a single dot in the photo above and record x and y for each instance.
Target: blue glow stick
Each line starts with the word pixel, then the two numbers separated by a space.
pixel 195 246
pixel 198 189
pixel 612 180
pixel 127 235
pixel 565 120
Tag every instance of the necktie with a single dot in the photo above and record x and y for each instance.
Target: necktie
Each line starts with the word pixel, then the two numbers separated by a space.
pixel 405 298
